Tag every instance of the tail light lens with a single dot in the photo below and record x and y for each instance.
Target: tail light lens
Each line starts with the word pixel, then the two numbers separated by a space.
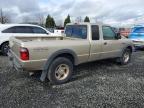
pixel 24 54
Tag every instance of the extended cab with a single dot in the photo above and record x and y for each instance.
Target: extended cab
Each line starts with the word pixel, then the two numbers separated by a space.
pixel 56 56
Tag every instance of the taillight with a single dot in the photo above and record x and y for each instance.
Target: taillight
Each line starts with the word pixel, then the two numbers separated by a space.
pixel 24 54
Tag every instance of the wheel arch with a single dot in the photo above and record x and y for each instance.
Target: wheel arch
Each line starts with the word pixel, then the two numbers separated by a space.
pixel 130 47
pixel 3 43
pixel 70 54
pixel 127 47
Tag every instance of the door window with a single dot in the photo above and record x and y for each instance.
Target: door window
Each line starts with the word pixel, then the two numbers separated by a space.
pixel 9 30
pixel 38 30
pixel 23 29
pixel 18 29
pixel 108 33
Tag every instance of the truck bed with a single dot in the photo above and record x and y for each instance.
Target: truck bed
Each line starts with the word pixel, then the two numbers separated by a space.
pixel 41 43
pixel 28 39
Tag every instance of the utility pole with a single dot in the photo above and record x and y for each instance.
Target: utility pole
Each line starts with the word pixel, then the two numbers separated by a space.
pixel 1 17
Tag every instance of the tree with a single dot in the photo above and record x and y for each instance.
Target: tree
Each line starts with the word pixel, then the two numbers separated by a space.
pixel 86 19
pixel 53 22
pixel 67 20
pixel 3 19
pixel 50 22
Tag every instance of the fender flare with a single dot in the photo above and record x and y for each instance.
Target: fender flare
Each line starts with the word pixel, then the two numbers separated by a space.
pixel 52 57
pixel 126 48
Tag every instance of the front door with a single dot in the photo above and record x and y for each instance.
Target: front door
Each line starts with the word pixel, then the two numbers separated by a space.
pixel 111 47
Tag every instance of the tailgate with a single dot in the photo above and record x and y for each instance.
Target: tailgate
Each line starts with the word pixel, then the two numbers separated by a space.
pixel 15 46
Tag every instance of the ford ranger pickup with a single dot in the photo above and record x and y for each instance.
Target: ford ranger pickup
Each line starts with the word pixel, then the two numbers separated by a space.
pixel 56 56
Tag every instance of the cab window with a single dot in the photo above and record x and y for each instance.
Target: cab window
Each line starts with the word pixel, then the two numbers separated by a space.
pixel 95 32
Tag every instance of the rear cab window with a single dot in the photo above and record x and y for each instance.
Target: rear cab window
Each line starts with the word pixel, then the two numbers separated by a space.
pixel 76 31
pixel 95 32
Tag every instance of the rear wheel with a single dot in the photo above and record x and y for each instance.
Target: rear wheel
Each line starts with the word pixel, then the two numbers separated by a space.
pixel 60 70
pixel 5 48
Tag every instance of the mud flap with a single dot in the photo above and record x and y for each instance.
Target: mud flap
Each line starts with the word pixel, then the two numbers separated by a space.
pixel 43 75
pixel 45 71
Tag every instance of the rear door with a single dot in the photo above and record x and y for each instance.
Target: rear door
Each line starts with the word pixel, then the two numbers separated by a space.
pixel 96 46
pixel 111 47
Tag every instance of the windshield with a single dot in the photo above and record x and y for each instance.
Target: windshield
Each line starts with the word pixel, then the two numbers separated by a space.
pixel 76 31
pixel 138 30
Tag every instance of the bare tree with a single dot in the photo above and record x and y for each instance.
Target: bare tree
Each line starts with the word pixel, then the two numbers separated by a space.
pixel 78 19
pixel 26 19
pixel 3 19
pixel 41 19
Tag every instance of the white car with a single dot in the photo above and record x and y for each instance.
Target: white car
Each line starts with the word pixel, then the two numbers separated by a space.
pixel 9 30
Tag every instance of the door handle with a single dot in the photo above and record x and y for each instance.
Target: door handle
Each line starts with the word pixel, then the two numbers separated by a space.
pixel 123 43
pixel 105 43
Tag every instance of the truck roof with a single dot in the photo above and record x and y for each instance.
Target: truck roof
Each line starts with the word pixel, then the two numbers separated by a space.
pixel 87 23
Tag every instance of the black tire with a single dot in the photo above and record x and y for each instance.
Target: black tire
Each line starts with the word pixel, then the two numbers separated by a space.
pixel 52 73
pixel 5 48
pixel 123 60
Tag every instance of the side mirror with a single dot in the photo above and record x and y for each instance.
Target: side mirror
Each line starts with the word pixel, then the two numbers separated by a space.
pixel 118 36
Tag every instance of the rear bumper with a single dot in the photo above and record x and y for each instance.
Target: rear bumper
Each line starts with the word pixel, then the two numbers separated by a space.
pixel 31 65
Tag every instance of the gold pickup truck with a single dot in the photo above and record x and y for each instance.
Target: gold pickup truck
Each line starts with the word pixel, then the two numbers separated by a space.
pixel 56 56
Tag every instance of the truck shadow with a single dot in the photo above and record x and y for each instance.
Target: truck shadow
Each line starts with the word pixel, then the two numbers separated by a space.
pixel 92 68
pixel 110 67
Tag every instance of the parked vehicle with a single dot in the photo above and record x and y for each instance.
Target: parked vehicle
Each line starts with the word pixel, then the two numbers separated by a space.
pixel 137 36
pixel 8 30
pixel 56 56
pixel 59 31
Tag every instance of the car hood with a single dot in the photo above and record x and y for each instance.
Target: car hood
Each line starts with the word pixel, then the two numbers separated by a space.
pixel 137 36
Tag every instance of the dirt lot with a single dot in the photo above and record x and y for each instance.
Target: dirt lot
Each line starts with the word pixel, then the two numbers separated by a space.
pixel 102 84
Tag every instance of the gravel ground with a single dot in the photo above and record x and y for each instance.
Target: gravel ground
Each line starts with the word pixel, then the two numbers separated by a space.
pixel 102 84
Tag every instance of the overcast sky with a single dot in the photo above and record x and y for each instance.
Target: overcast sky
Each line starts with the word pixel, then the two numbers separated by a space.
pixel 108 11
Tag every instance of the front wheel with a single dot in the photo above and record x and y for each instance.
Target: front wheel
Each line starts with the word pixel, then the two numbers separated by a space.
pixel 126 57
pixel 5 48
pixel 60 71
